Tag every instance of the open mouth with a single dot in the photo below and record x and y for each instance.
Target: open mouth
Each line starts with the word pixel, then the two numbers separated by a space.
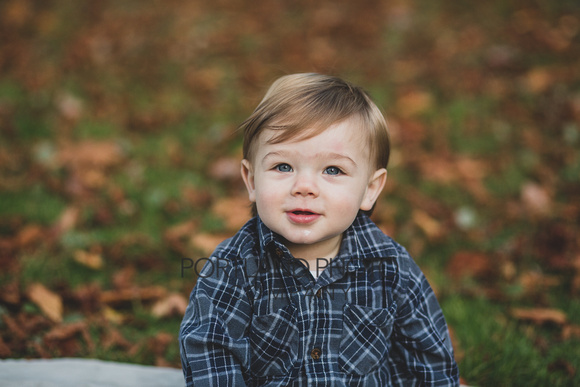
pixel 303 216
pixel 300 212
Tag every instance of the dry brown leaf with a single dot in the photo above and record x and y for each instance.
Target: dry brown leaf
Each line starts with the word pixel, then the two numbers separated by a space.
pixel 469 264
pixel 113 316
pixel 70 106
pixel 90 154
pixel 114 338
pixel 92 178
pixel 471 169
pixel 538 80
pixel 29 235
pixel 196 197
pixel 180 230
pixel 64 338
pixel 540 315
pixel 235 211
pixel 439 170
pixel 5 350
pixel 14 327
pixel 226 168
pixel 91 260
pixel 207 242
pixel 159 343
pixel 172 305
pixel 536 199
pixel 571 332
pixel 63 332
pixel 123 279
pixel 10 293
pixel 49 302
pixel 430 226
pixel 413 103
pixel 67 219
pixel 535 282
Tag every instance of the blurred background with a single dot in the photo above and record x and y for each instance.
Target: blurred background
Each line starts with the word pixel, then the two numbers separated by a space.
pixel 119 158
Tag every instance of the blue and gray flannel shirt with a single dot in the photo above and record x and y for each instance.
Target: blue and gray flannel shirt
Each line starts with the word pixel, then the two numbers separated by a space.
pixel 257 316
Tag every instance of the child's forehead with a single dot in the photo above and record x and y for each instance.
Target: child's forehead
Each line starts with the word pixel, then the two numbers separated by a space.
pixel 278 135
pixel 340 138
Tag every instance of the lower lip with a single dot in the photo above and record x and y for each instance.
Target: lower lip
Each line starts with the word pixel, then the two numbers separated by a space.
pixel 302 218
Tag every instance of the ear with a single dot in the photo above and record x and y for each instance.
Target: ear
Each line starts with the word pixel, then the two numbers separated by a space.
pixel 376 184
pixel 248 177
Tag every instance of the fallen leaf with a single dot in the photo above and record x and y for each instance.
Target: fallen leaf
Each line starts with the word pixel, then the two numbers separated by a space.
pixel 196 197
pixel 113 316
pixel 114 339
pixel 91 260
pixel 438 169
pixel 5 351
pixel 414 103
pixel 540 316
pixel 67 220
pixel 89 298
pixel 207 242
pixel 172 305
pixel 538 80
pixel 234 210
pixel 535 282
pixel 64 338
pixel 90 154
pixel 469 264
pixel 226 168
pixel 10 293
pixel 430 226
pixel 159 343
pixel 70 106
pixel 49 302
pixel 180 230
pixel 62 332
pixel 536 199
pixel 123 279
pixel 29 235
pixel 571 331
pixel 14 327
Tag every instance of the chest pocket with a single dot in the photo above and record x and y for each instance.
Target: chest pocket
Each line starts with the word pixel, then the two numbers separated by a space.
pixel 274 342
pixel 365 338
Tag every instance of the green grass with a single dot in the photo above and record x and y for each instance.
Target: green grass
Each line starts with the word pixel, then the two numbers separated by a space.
pixel 499 351
pixel 135 68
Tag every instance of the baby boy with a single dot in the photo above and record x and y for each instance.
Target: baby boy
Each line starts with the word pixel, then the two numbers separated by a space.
pixel 261 314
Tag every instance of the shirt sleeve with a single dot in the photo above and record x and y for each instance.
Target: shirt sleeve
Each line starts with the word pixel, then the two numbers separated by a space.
pixel 422 349
pixel 214 348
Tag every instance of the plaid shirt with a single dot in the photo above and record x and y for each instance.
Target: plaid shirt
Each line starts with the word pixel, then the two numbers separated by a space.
pixel 257 317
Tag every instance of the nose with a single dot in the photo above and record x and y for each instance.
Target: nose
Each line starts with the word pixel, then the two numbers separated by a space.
pixel 305 185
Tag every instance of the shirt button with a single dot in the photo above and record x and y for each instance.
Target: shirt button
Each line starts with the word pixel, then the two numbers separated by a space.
pixel 279 252
pixel 315 353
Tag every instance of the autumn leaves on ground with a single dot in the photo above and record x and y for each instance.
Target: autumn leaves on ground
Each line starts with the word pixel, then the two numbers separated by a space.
pixel 119 158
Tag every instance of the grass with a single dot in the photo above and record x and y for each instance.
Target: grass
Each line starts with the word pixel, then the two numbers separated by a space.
pixel 169 87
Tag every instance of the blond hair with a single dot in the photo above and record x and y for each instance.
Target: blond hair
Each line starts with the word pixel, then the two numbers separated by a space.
pixel 304 105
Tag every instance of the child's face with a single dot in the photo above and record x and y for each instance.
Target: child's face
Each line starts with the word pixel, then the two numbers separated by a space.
pixel 309 191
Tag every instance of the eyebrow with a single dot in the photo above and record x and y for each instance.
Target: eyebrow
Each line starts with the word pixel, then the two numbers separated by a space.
pixel 325 155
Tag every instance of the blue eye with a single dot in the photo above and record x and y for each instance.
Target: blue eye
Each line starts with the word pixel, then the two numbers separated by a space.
pixel 283 168
pixel 332 171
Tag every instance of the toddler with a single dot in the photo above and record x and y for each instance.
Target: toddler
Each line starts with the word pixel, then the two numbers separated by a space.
pixel 262 313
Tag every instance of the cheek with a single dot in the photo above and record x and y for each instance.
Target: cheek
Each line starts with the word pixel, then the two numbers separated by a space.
pixel 268 193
